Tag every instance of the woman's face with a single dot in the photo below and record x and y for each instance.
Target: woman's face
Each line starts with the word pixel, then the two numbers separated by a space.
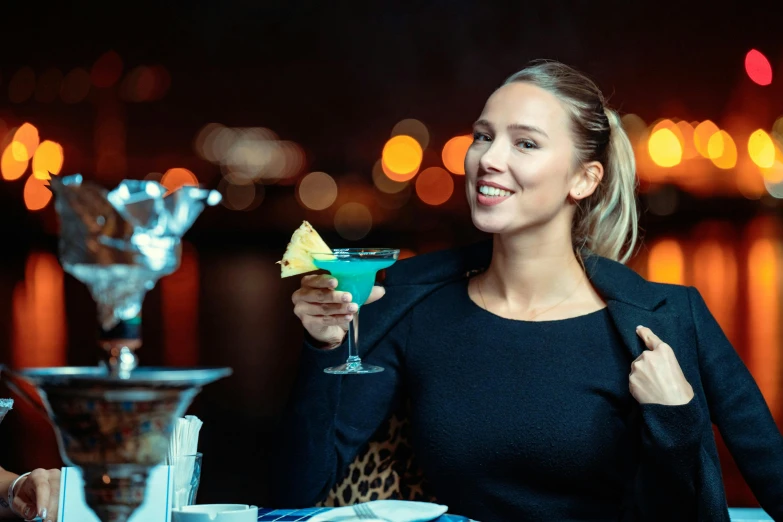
pixel 520 167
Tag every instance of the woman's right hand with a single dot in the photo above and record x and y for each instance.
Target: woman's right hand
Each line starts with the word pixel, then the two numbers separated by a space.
pixel 324 311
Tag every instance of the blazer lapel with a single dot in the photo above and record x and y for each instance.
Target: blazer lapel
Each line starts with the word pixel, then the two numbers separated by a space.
pixel 627 317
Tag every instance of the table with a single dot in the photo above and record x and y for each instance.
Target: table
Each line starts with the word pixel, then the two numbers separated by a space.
pixel 299 515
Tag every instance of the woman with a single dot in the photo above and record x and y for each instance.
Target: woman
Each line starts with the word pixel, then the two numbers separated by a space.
pixel 31 495
pixel 547 381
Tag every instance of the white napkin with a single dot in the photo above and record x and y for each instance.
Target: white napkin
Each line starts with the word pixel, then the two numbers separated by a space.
pixel 391 510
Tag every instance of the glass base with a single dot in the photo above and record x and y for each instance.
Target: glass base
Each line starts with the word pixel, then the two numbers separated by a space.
pixel 353 368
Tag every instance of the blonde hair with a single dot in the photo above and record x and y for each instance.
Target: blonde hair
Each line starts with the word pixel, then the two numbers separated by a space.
pixel 606 222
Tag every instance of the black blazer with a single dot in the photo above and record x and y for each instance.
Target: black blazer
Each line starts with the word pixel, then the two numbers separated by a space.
pixel 679 475
pixel 725 393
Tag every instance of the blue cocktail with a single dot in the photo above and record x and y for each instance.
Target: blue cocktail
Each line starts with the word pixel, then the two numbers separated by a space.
pixel 355 270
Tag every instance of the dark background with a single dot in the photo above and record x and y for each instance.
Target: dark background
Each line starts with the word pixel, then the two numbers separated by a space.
pixel 335 78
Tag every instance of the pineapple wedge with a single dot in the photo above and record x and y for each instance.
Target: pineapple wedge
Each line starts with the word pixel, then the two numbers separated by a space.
pixel 298 255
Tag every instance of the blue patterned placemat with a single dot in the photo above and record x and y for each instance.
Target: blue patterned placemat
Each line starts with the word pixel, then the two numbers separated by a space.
pixel 296 515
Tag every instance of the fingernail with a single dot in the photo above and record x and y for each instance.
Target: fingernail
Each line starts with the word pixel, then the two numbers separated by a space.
pixel 346 298
pixel 353 307
pixel 43 513
pixel 639 327
pixel 28 512
pixel 333 283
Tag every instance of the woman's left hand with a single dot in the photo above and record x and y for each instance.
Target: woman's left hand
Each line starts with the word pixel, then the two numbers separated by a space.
pixel 38 494
pixel 656 376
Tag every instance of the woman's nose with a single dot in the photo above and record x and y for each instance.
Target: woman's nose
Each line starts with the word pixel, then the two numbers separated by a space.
pixel 494 158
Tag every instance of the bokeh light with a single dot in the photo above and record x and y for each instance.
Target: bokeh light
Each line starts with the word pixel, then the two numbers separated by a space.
pixel 722 150
pixel 777 129
pixel 636 129
pixel 454 152
pixel 774 189
pixel 22 85
pixel 401 158
pixel 144 84
pixel 48 159
pixel 434 186
pixel 413 128
pixel 665 148
pixel 106 70
pixel 353 221
pixel 383 183
pixel 761 149
pixel 76 86
pixel 27 137
pixel 758 67
pixel 395 200
pixel 178 177
pixel 666 262
pixel 244 197
pixel 241 197
pixel 701 136
pixel 688 146
pixel 317 191
pixel 48 86
pixel 36 193
pixel 11 167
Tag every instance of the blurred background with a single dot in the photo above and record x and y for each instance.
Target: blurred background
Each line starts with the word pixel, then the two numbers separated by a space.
pixel 355 117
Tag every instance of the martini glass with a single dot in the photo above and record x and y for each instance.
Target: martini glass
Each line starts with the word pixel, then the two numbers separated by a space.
pixel 355 270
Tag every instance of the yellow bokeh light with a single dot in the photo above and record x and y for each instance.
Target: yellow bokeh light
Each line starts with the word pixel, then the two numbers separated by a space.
pixel 701 136
pixel 722 150
pixel 454 152
pixel 761 149
pixel 402 157
pixel 665 148
pixel 11 167
pixel 27 136
pixel 48 159
pixel 36 193
pixel 317 191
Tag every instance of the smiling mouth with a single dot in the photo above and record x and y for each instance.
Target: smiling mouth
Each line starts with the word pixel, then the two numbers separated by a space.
pixel 493 192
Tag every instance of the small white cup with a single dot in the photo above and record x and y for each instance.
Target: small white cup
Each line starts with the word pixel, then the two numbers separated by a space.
pixel 215 513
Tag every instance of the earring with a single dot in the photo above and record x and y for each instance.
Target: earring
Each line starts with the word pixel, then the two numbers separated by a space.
pixel 578 193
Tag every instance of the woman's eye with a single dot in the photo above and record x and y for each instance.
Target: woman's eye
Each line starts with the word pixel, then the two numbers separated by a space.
pixel 480 136
pixel 526 144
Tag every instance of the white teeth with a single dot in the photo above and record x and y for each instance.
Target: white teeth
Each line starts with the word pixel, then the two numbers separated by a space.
pixel 494 192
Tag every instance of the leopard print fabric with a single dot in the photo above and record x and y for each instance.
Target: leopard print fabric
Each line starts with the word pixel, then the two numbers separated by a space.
pixel 386 469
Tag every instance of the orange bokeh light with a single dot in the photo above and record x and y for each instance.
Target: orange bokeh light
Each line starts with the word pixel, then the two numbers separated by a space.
pixel 11 167
pixel 36 193
pixel 722 150
pixel 701 136
pixel 434 186
pixel 27 136
pixel 106 70
pixel 178 177
pixel 665 262
pixel 401 157
pixel 454 152
pixel 48 159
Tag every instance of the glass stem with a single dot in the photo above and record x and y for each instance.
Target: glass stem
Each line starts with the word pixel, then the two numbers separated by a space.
pixel 353 339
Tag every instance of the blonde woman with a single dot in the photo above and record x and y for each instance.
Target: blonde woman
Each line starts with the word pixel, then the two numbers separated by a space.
pixel 547 381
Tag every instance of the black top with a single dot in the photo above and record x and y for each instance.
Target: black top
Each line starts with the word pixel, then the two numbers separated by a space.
pixel 676 470
pixel 519 420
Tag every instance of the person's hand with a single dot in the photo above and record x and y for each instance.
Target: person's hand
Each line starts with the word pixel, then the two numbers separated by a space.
pixel 325 312
pixel 656 376
pixel 38 495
